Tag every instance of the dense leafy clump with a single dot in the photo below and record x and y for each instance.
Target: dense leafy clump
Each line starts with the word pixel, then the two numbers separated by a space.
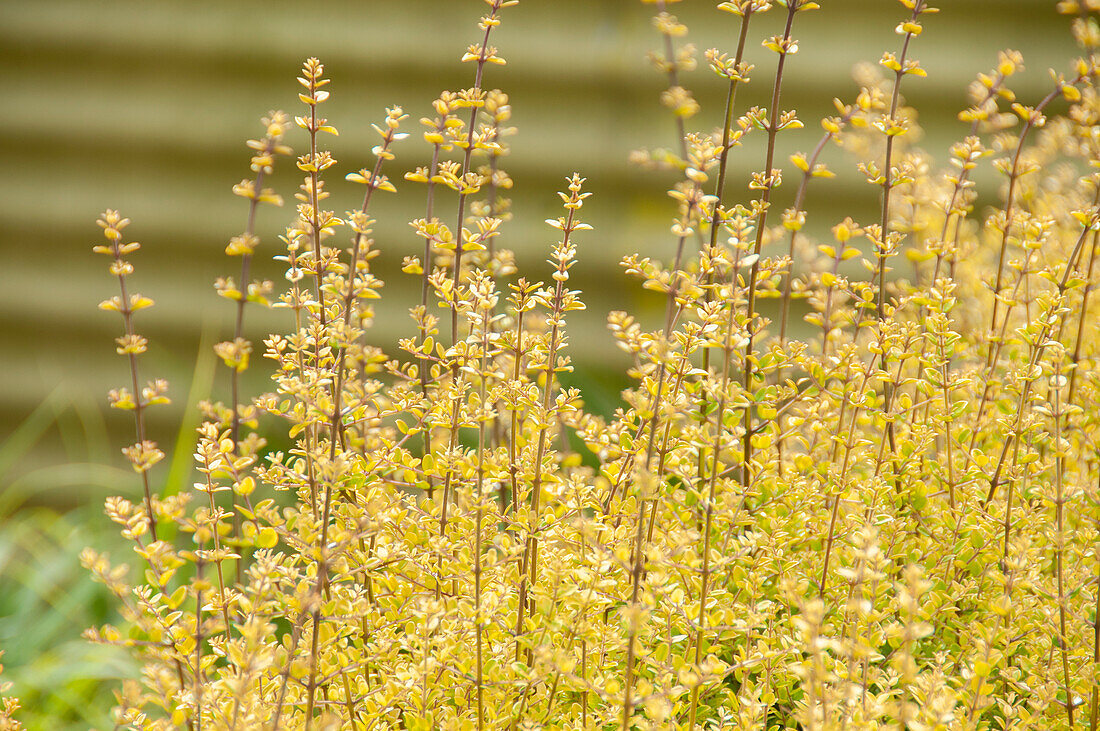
pixel 888 520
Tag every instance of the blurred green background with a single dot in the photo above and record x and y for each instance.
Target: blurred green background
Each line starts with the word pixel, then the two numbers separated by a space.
pixel 144 105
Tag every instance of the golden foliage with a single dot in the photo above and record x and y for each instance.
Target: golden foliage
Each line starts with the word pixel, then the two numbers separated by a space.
pixel 890 521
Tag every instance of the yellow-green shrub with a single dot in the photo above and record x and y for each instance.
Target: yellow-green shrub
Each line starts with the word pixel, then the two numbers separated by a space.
pixel 890 521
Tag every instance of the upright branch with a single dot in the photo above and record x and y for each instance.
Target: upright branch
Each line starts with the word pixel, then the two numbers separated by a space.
pixel 694 157
pixel 794 218
pixel 893 126
pixel 440 130
pixel 469 183
pixel 671 62
pixel 736 71
pixel 558 301
pixel 728 347
pixel 965 155
pixel 314 222
pixel 485 305
pixel 498 112
pixel 143 454
pixel 1057 384
pixel 359 284
pixel 1044 326
pixel 235 353
pixel 1015 168
pixel 766 181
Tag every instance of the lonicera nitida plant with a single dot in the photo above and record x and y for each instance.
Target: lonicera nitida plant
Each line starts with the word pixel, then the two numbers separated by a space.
pixel 886 518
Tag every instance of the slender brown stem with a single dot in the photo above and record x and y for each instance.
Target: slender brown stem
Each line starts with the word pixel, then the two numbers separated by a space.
pixel 471 130
pixel 716 449
pixel 885 245
pixel 199 681
pixel 127 312
pixel 1094 706
pixel 479 516
pixel 842 478
pixel 238 326
pixel 1081 322
pixel 761 226
pixel 426 266
pixel 529 563
pixel 1006 228
pixel 719 192
pixel 1059 534
pixel 996 341
pixel 517 371
pixel 314 204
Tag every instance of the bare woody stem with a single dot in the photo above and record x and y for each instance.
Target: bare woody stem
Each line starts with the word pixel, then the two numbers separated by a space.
pixel 217 549
pixel 727 128
pixel 139 415
pixel 315 202
pixel 1059 528
pixel 788 276
pixel 517 371
pixel 887 171
pixel 961 182
pixel 483 56
pixel 954 212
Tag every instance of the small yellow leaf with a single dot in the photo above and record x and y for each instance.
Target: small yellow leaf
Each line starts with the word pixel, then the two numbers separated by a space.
pixel 267 538
pixel 177 597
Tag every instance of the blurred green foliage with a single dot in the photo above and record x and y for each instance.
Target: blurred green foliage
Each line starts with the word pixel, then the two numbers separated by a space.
pixel 48 598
